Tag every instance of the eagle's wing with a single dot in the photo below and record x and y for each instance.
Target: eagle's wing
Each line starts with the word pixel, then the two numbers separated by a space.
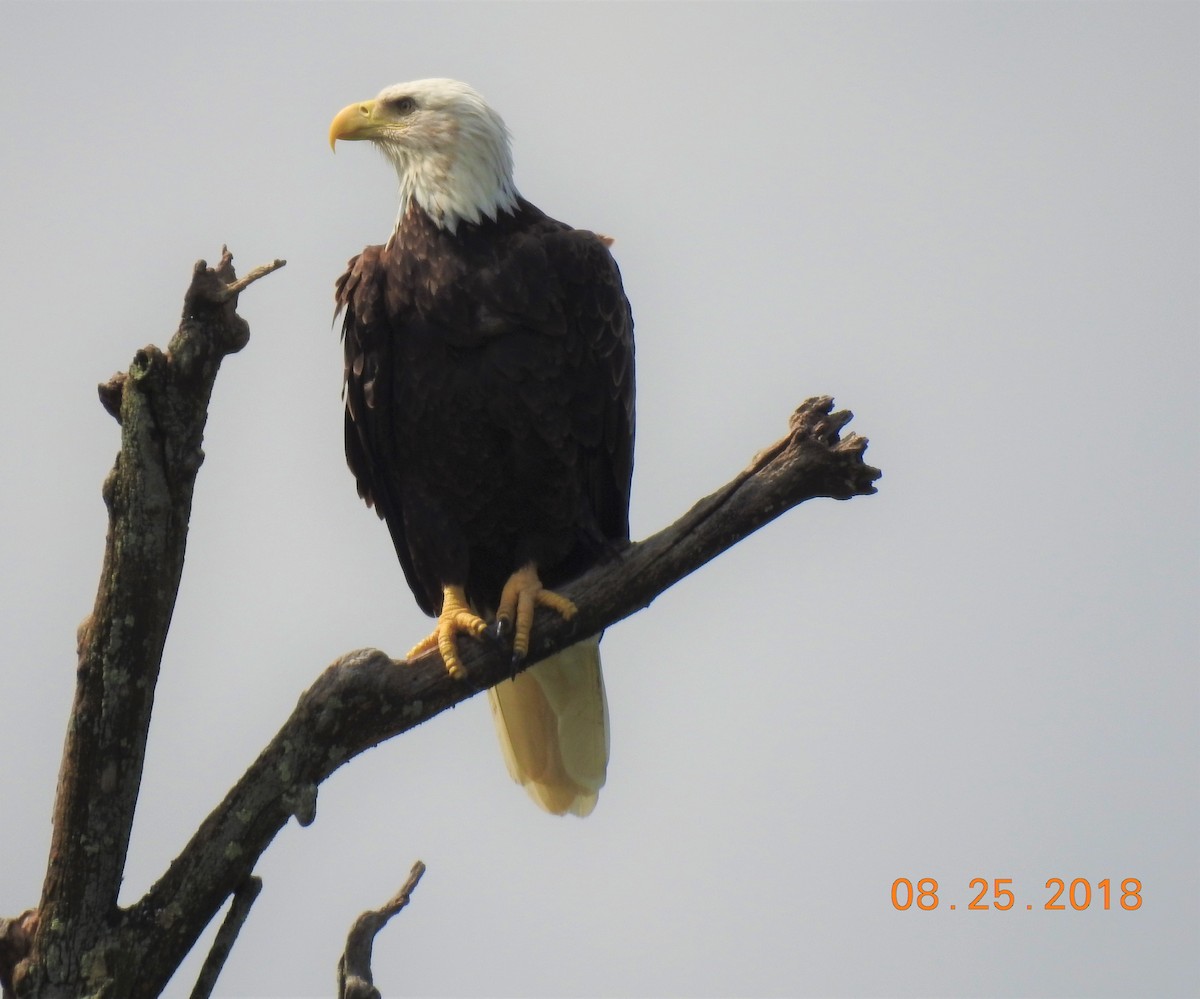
pixel 604 425
pixel 367 342
pixel 577 378
pixel 552 720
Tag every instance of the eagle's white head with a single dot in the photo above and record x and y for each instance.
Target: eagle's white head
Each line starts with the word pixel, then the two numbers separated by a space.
pixel 451 151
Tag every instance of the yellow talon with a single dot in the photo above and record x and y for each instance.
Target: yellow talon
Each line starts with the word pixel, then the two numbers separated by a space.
pixel 456 617
pixel 521 596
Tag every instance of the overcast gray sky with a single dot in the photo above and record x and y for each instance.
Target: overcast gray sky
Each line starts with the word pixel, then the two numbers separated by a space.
pixel 977 226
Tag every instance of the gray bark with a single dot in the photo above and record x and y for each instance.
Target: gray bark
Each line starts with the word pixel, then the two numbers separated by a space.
pixel 78 941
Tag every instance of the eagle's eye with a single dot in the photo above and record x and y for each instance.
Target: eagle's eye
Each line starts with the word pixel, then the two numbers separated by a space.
pixel 403 105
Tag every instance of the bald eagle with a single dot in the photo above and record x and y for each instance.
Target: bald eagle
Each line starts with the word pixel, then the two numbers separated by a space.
pixel 489 413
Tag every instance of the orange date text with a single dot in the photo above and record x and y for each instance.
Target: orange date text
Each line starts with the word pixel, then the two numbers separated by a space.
pixel 999 893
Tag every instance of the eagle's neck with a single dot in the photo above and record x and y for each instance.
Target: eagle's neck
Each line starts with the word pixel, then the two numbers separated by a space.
pixel 468 183
pixel 436 252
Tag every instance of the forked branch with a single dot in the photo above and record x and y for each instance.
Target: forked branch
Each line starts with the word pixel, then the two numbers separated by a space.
pixel 78 941
pixel 161 403
pixel 366 696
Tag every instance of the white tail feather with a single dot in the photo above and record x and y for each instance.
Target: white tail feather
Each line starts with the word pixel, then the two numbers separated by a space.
pixel 553 726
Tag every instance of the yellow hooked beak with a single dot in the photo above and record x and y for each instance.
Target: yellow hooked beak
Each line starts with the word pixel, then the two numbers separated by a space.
pixel 356 121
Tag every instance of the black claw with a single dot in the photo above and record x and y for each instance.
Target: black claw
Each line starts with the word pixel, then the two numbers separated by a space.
pixel 503 627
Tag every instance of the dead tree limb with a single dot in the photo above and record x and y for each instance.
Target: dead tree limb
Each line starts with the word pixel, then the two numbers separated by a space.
pixel 83 943
pixel 239 909
pixel 354 978
pixel 366 696
pixel 161 404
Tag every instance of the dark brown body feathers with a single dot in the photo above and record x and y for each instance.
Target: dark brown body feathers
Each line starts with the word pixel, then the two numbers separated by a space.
pixel 489 391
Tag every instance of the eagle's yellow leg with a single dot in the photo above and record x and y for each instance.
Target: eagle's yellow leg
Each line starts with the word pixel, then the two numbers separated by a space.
pixel 456 617
pixel 521 596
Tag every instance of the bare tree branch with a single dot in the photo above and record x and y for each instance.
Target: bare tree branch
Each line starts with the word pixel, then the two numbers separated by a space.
pixel 239 909
pixel 162 405
pixel 84 944
pixel 366 697
pixel 354 977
